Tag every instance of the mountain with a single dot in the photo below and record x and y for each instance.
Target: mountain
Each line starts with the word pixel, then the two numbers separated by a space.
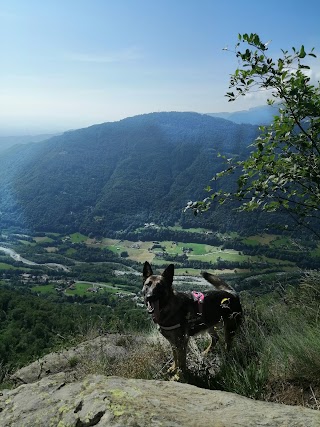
pixel 118 175
pixel 261 115
pixel 9 141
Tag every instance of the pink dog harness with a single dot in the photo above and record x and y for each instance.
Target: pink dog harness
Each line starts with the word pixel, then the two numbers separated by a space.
pixel 198 297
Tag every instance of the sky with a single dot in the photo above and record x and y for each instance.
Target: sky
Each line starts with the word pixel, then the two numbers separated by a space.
pixel 68 64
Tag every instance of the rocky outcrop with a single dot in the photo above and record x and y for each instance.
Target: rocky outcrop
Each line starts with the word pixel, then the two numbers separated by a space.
pixel 99 400
pixel 112 346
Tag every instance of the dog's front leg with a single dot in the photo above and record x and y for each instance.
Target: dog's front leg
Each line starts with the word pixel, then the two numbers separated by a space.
pixel 178 341
pixel 175 363
pixel 179 350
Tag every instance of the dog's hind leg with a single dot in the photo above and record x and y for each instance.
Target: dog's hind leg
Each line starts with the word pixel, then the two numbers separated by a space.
pixel 214 338
pixel 230 326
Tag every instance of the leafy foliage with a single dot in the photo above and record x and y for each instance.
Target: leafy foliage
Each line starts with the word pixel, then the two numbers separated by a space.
pixel 282 173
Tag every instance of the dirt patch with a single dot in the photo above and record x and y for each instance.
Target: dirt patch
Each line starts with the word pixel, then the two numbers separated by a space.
pixel 51 249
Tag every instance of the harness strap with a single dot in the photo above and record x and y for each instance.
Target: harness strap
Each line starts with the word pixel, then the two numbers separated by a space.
pixel 170 328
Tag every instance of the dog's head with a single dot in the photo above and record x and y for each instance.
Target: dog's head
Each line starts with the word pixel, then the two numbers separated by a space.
pixel 156 289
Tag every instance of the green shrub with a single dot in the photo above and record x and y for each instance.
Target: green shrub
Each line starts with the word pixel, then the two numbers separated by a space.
pixel 279 343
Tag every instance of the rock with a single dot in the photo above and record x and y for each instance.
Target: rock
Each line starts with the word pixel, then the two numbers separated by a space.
pixel 110 346
pixel 98 400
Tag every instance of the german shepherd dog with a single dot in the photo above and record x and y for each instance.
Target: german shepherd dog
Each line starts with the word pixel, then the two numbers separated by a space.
pixel 180 315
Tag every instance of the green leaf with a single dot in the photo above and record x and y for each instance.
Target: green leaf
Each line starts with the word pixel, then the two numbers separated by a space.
pixel 302 52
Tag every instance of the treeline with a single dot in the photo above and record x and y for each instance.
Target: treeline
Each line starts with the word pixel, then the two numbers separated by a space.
pixel 302 258
pixel 163 233
pixel 31 326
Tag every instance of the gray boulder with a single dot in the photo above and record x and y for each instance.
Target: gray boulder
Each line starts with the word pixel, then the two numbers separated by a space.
pixel 99 400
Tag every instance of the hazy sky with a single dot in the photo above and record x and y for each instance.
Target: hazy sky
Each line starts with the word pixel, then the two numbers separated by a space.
pixel 72 63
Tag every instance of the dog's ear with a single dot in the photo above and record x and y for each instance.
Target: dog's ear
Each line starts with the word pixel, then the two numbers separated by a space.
pixel 147 270
pixel 168 273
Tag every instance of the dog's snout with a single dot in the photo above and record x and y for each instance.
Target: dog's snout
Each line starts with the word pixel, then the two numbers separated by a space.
pixel 148 295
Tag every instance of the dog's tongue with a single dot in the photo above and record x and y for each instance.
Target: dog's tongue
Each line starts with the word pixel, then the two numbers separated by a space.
pixel 155 311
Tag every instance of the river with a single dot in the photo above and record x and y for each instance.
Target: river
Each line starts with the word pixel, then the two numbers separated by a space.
pixel 17 257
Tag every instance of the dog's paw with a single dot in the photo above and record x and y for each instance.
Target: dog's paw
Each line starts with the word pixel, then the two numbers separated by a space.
pixel 172 369
pixel 178 376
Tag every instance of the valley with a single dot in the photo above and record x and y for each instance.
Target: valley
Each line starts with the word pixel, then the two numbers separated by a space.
pixel 78 265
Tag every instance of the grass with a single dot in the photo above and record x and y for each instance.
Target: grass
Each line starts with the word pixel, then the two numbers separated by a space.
pixel 188 230
pixel 261 239
pixel 143 250
pixel 277 350
pixel 128 356
pixel 282 242
pixel 5 266
pixel 71 251
pixel 80 289
pixel 44 239
pixel 78 238
pixel 27 243
pixel 214 254
pixel 45 289
pixel 198 252
pixel 140 254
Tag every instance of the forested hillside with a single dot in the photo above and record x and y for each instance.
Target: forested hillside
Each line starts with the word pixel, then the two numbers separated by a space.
pixel 119 175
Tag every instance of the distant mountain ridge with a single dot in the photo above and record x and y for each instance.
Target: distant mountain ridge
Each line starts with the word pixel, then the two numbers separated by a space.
pixel 7 142
pixel 118 175
pixel 261 115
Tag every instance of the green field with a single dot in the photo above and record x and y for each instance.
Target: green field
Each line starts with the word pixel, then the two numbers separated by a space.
pixel 44 239
pixel 80 289
pixel 5 266
pixel 261 239
pixel 189 230
pixel 161 253
pixel 282 242
pixel 45 289
pixel 78 238
pixel 144 251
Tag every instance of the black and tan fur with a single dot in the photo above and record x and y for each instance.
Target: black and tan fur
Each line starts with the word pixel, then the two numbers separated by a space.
pixel 179 317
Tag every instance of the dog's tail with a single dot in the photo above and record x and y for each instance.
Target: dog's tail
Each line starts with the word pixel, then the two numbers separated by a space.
pixel 217 282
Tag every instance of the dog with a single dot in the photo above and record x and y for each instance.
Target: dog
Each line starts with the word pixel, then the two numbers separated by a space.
pixel 180 315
